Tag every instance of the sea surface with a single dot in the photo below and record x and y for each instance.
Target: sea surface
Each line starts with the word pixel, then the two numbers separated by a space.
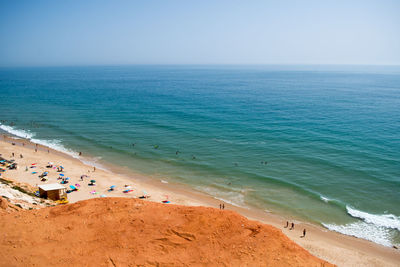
pixel 321 143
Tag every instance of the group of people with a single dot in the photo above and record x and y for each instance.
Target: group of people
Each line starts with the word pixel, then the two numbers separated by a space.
pixel 222 206
pixel 292 227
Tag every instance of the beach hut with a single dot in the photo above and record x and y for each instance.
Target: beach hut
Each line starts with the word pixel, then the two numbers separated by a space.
pixel 52 191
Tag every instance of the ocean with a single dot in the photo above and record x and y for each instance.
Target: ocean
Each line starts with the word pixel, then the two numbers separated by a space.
pixel 320 143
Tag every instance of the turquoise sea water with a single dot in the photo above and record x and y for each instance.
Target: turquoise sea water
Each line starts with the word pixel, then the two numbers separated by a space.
pixel 330 136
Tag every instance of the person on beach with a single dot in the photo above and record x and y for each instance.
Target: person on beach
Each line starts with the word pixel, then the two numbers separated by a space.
pixel 304 232
pixel 80 153
pixel 292 227
pixel 12 154
pixel 35 149
pixel 20 155
pixel 223 206
pixel 94 169
pixel 48 151
pixel 220 206
pixel 287 224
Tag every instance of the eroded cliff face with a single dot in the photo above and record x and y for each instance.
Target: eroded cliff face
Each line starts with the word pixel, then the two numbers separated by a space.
pixel 131 232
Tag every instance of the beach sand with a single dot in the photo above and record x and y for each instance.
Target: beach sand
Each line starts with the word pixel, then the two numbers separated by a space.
pixel 333 247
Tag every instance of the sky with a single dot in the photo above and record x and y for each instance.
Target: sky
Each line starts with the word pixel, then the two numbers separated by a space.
pixel 65 33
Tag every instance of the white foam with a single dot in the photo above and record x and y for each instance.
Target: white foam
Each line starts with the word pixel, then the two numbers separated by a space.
pixel 368 231
pixel 56 145
pixel 164 182
pixel 20 133
pixel 325 199
pixel 384 220
pixel 53 144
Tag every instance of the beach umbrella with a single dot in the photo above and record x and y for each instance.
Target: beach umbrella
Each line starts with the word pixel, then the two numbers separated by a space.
pixel 45 173
pixel 103 195
pixel 51 163
pixel 113 186
pixel 61 174
pixel 92 181
pixel 72 187
pixel 67 178
pixel 33 163
pixel 77 185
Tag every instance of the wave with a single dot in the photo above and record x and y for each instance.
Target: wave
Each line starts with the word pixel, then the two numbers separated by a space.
pixel 373 227
pixel 54 144
pixel 368 231
pixel 26 134
pixel 325 199
pixel 385 220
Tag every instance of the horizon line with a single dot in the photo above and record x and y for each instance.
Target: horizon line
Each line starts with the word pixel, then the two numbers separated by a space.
pixel 199 64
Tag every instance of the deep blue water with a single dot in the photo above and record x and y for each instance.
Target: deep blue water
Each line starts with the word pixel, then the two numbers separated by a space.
pixel 330 135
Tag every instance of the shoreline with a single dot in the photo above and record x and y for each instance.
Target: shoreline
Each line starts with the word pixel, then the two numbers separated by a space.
pixel 334 247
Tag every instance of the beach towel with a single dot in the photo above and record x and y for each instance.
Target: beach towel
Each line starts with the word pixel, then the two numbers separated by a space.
pixel 127 191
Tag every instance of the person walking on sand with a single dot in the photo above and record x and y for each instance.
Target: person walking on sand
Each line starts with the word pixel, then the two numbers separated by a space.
pixel 94 169
pixel 223 206
pixel 287 224
pixel 292 227
pixel 304 232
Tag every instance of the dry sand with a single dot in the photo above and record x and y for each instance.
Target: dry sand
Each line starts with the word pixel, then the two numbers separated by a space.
pixel 333 247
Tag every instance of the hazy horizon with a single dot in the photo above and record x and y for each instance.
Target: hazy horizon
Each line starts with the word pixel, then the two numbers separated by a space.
pixel 46 33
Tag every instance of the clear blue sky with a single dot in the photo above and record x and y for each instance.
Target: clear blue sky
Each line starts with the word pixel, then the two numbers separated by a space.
pixel 42 33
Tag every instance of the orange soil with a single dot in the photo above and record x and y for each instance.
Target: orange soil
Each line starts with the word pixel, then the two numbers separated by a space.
pixel 132 232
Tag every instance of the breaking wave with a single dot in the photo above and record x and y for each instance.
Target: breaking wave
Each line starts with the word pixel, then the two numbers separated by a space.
pixel 380 229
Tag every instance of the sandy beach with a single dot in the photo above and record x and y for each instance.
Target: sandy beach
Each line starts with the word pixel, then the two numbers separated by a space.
pixel 333 247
